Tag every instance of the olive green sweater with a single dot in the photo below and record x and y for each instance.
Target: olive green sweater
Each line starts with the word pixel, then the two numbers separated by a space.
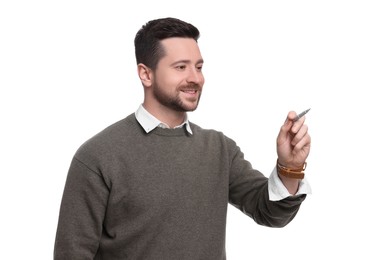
pixel 161 195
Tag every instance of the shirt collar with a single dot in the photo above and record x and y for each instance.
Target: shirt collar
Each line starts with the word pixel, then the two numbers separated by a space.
pixel 149 122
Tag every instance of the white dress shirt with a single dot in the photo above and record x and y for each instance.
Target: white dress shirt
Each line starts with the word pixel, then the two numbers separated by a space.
pixel 276 189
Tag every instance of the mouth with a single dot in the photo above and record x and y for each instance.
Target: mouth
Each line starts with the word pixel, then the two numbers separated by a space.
pixel 191 95
pixel 190 91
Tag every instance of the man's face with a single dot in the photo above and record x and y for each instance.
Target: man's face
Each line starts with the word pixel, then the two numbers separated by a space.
pixel 178 78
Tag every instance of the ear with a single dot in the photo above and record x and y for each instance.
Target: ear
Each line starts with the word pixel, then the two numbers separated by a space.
pixel 145 74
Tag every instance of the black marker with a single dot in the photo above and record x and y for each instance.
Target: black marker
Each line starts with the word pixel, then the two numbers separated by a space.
pixel 301 115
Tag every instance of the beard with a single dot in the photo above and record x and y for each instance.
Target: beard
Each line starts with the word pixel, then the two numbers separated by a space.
pixel 174 101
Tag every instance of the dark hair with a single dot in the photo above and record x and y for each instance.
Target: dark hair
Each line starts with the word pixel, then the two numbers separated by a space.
pixel 148 49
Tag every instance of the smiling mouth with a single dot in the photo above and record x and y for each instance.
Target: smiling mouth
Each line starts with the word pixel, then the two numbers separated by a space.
pixel 190 91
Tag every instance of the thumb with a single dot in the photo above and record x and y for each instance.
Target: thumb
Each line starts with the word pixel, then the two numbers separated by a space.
pixel 286 127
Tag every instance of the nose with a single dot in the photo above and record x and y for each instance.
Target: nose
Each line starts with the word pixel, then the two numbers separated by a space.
pixel 195 76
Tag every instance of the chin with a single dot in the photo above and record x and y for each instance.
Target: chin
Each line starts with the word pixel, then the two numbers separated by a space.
pixel 191 107
pixel 184 108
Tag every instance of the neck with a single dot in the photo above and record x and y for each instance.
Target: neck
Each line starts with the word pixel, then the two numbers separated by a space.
pixel 166 115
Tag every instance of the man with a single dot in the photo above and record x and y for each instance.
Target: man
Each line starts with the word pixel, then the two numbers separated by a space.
pixel 156 186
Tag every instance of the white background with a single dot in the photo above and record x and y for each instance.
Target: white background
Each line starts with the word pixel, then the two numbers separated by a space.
pixel 67 70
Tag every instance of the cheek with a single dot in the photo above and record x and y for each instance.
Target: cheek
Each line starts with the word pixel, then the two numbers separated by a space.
pixel 166 82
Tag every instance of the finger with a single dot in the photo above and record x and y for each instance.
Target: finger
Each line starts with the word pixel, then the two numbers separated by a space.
pixel 303 146
pixel 297 125
pixel 302 131
pixel 291 116
pixel 288 123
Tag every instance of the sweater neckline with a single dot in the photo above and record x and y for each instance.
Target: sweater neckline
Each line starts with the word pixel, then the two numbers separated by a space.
pixel 170 132
pixel 181 131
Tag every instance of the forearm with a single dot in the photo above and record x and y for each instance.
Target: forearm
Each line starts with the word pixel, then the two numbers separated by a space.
pixel 249 191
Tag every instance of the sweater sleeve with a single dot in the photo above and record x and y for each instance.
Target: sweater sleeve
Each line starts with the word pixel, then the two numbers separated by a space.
pixel 81 215
pixel 248 191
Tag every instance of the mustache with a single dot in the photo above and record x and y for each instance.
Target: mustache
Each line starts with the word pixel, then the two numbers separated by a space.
pixel 196 87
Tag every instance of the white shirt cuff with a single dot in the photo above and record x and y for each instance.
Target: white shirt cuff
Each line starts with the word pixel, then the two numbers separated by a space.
pixel 277 191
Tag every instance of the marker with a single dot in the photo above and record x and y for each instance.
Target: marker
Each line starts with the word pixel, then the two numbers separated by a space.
pixel 301 115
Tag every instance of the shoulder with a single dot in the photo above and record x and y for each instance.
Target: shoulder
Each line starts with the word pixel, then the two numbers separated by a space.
pixel 110 139
pixel 212 135
pixel 197 130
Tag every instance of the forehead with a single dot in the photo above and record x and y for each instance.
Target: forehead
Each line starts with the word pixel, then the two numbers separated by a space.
pixel 181 49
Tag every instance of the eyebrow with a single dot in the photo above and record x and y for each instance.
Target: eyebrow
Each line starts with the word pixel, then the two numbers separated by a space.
pixel 186 62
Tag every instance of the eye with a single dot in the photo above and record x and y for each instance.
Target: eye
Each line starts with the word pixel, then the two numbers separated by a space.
pixel 199 67
pixel 181 67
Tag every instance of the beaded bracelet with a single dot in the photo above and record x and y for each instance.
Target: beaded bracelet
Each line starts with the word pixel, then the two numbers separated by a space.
pixel 291 173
